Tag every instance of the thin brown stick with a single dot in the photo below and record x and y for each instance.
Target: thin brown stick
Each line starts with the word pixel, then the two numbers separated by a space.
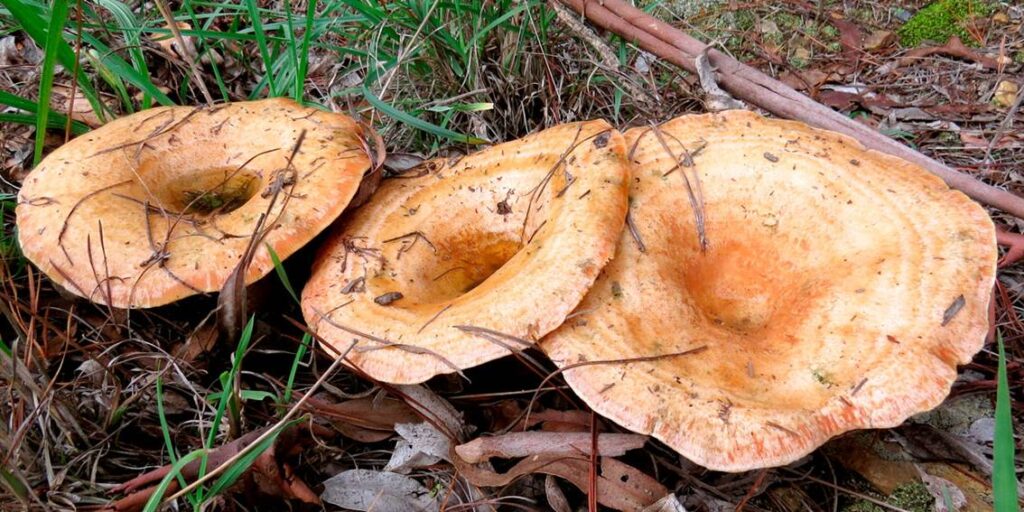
pixel 752 86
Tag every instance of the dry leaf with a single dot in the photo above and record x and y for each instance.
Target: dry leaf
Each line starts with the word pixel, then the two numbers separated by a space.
pixel 879 39
pixel 435 409
pixel 365 490
pixel 188 52
pixel 954 48
pixel 940 488
pixel 364 419
pixel 620 486
pixel 670 503
pixel 1006 94
pixel 527 444
pixel 555 497
pixel 421 445
pixel 79 109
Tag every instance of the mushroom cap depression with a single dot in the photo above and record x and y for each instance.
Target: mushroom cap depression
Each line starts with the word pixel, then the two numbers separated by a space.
pixel 838 290
pixel 461 261
pixel 162 204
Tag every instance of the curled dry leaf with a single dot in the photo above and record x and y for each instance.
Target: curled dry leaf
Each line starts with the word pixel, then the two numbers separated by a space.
pixel 527 444
pixel 421 445
pixel 619 486
pixel 366 420
pixel 670 503
pixel 75 104
pixel 434 409
pixel 186 49
pixel 555 497
pixel 954 48
pixel 879 39
pixel 365 490
pixel 397 164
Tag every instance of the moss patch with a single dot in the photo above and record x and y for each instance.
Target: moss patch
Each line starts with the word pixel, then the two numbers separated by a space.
pixel 942 20
pixel 913 497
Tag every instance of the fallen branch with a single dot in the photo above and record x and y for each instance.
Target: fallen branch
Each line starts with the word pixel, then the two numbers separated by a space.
pixel 754 87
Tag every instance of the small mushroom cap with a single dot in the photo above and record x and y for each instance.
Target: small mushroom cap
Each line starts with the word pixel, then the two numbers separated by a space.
pixel 838 290
pixel 160 205
pixel 461 262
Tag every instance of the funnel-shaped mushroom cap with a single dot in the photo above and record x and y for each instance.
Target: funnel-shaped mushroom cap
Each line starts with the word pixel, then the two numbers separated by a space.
pixel 838 290
pixel 160 205
pixel 465 260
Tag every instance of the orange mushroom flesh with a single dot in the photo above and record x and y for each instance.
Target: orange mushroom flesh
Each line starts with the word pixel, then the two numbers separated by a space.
pixel 463 261
pixel 778 285
pixel 160 205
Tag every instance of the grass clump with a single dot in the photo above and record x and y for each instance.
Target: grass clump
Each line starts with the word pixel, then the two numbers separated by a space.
pixel 942 20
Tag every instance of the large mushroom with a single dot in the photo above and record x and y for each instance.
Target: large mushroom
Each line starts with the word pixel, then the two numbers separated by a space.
pixel 778 285
pixel 463 261
pixel 162 204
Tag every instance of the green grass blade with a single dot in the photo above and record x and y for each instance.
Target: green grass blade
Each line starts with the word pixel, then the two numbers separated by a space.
pixel 125 71
pixel 307 37
pixel 227 384
pixel 165 427
pixel 282 274
pixel 14 485
pixel 233 473
pixel 299 354
pixel 1004 476
pixel 57 122
pixel 498 21
pixel 293 50
pixel 54 37
pixel 54 120
pixel 130 29
pixel 32 18
pixel 261 41
pixel 158 494
pixel 416 122
pixel 13 100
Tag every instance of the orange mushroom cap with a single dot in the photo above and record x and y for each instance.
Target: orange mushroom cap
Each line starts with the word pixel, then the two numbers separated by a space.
pixel 471 258
pixel 160 205
pixel 822 288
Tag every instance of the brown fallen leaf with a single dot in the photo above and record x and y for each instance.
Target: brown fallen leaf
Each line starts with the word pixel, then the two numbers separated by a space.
pixel 366 420
pixel 954 48
pixel 619 486
pixel 555 497
pixel 186 49
pixel 850 38
pixel 886 466
pixel 879 39
pixel 76 105
pixel 977 139
pixel 528 444
pixel 669 503
pixel 552 420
